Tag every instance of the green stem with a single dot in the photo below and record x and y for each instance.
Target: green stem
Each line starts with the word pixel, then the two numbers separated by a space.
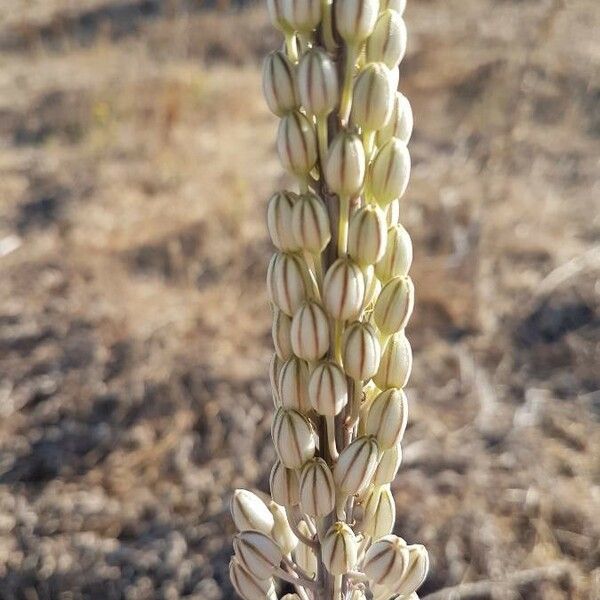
pixel 368 138
pixel 290 45
pixel 322 139
pixel 330 423
pixel 342 244
pixel 327 26
pixel 346 100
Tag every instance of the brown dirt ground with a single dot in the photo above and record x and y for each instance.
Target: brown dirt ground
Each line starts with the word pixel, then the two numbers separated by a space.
pixel 136 154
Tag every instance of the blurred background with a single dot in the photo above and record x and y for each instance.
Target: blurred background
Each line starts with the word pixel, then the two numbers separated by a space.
pixel 136 156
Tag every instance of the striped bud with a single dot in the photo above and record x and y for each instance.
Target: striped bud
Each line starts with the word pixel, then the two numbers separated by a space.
pixel 394 305
pixel 310 224
pixel 355 19
pixel 302 15
pixel 304 555
pixel 310 332
pixel 388 466
pixel 387 43
pixel 373 97
pixel 282 532
pixel 398 255
pixel 274 370
pixel 398 5
pixel 280 88
pixel 362 351
pixel 318 82
pixel 396 363
pixel 279 221
pixel 367 235
pixel 280 330
pixel 317 491
pixel 386 560
pixel 328 389
pixel 248 586
pixel 293 384
pixel 344 289
pixel 250 512
pixel 275 8
pixel 339 549
pixel 372 286
pixel 293 437
pixel 284 485
pixel 257 553
pixel 400 124
pixel 345 165
pixel 387 418
pixel 389 172
pixel 297 144
pixel 416 571
pixel 356 465
pixel 286 282
pixel 379 512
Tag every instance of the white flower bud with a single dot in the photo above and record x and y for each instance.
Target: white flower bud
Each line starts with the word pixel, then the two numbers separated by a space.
pixel 416 572
pixel 282 532
pixel 379 513
pixel 286 282
pixel 396 363
pixel 339 549
pixel 293 384
pixel 279 221
pixel 250 512
pixel 304 555
pixel 257 553
pixel 310 224
pixel 248 586
pixel 317 490
pixel 394 305
pixel 387 418
pixel 386 560
pixel 345 165
pixel 356 465
pixel 328 389
pixel 398 255
pixel 357 594
pixel 388 466
pixel 318 82
pixel 387 43
pixel 275 8
pixel 290 597
pixel 373 97
pixel 302 15
pixel 362 351
pixel 297 144
pixel 344 289
pixel 367 235
pixel 400 124
pixel 398 5
pixel 355 19
pixel 274 370
pixel 279 83
pixel 310 332
pixel 293 437
pixel 372 286
pixel 280 330
pixel 284 485
pixel 389 172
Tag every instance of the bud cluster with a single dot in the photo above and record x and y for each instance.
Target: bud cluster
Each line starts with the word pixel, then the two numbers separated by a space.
pixel 341 297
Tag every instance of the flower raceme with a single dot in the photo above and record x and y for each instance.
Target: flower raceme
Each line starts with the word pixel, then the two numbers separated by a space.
pixel 341 299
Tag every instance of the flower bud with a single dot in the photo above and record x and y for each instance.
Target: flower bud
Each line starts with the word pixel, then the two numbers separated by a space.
pixel 357 594
pixel 400 124
pixel 394 305
pixel 398 5
pixel 328 389
pixel 367 235
pixel 396 363
pixel 389 172
pixel 302 15
pixel 304 555
pixel 362 351
pixel 279 84
pixel 373 97
pixel 344 289
pixel 248 586
pixel 387 418
pixel 388 466
pixel 293 437
pixel 379 513
pixel 282 532
pixel 274 370
pixel 290 597
pixel 281 334
pixel 345 165
pixel 250 512
pixel 279 221
pixel 398 255
pixel 339 549
pixel 318 82
pixel 317 490
pixel 386 560
pixel 372 286
pixel 387 43
pixel 293 384
pixel 310 332
pixel 355 19
pixel 286 282
pixel 297 144
pixel 275 8
pixel 416 572
pixel 284 485
pixel 310 224
pixel 356 465
pixel 257 553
